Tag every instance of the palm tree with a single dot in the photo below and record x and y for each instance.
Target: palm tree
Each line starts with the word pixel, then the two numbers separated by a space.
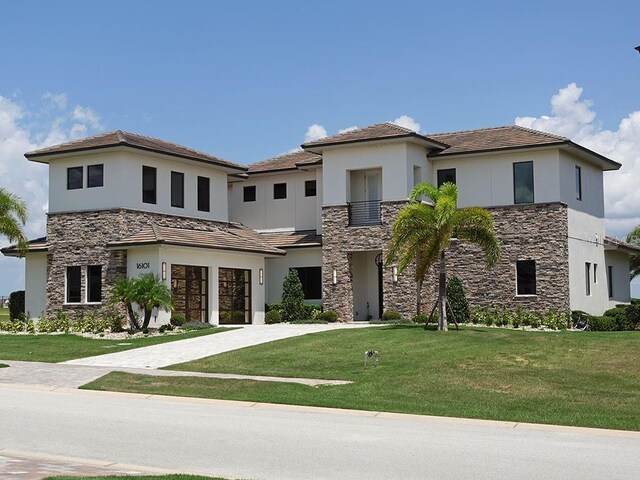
pixel 422 232
pixel 634 262
pixel 147 292
pixel 13 217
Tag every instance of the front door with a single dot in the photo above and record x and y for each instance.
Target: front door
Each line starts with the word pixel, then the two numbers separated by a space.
pixel 189 291
pixel 234 295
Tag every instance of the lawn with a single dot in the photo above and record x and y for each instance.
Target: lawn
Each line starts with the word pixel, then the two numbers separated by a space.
pixel 4 313
pixel 569 378
pixel 139 477
pixel 59 348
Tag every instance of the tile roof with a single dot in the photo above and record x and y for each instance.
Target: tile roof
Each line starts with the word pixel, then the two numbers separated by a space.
pixel 133 140
pixel 288 161
pixel 299 239
pixel 228 236
pixel 496 138
pixel 614 243
pixel 379 131
pixel 35 245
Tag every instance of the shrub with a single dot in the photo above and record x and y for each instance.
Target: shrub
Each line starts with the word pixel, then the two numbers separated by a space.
pixel 292 297
pixel 89 323
pixel 420 318
pixel 602 324
pixel 619 315
pixel 328 316
pixel 272 316
pixel 556 320
pixel 167 327
pixel 391 315
pixel 16 305
pixel 479 315
pixel 457 299
pixel 196 326
pixel 178 319
pixel 311 311
pixel 58 324
pixel 273 306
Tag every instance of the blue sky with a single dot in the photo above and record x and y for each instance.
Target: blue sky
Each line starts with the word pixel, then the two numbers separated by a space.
pixel 245 80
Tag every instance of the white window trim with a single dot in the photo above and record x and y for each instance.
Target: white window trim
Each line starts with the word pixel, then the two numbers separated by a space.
pixel 66 284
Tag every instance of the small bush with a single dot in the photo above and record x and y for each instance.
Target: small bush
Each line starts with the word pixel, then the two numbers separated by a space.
pixel 178 319
pixel 602 324
pixel 556 320
pixel 167 327
pixel 188 326
pixel 619 315
pixel 58 324
pixel 292 297
pixel 311 311
pixel 113 318
pixel 272 316
pixel 89 323
pixel 457 299
pixel 328 316
pixel 420 318
pixel 16 305
pixel 391 315
pixel 273 306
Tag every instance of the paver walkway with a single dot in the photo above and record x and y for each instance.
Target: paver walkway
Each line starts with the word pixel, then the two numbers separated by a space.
pixel 162 355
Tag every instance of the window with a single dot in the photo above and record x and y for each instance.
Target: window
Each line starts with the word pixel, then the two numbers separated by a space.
pixel 94 283
pixel 203 194
pixel 523 182
pixel 587 275
pixel 309 188
pixel 148 185
pixel 526 277
pixel 448 175
pixel 578 183
pixel 610 281
pixel 249 194
pixel 417 175
pixel 177 189
pixel 74 276
pixel 234 295
pixel 311 279
pixel 95 176
pixel 279 190
pixel 595 273
pixel 74 178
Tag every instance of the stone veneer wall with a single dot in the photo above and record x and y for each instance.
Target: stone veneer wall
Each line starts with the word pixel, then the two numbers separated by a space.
pixel 81 238
pixel 339 240
pixel 527 232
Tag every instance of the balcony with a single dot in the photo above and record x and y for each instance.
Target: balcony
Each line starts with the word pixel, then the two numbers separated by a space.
pixel 364 213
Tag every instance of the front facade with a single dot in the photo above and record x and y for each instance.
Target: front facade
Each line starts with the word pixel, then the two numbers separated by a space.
pixel 223 236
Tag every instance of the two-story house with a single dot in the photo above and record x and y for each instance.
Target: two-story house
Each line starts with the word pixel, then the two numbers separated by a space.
pixel 223 236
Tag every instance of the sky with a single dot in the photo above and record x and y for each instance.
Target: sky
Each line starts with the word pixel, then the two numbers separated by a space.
pixel 249 80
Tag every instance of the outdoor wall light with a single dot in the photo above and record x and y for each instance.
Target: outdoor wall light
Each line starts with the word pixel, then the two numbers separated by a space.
pixel 394 274
pixel 164 270
pixel 334 277
pixel 261 276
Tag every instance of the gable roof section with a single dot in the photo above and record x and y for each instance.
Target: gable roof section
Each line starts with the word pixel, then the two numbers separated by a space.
pixel 35 245
pixel 298 239
pixel 380 131
pixel 231 236
pixel 611 243
pixel 288 161
pixel 131 140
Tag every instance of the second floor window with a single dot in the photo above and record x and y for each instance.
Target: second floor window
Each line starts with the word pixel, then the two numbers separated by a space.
pixel 523 182
pixel 310 188
pixel 177 189
pixel 148 185
pixel 279 190
pixel 447 175
pixel 249 194
pixel 74 178
pixel 203 194
pixel 95 176
pixel 578 183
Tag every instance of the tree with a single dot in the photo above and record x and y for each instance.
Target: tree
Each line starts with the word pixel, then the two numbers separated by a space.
pixel 292 297
pixel 457 299
pixel 13 217
pixel 146 291
pixel 422 232
pixel 634 262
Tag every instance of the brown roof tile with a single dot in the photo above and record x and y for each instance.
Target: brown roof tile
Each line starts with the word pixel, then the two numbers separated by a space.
pixel 133 140
pixel 299 239
pixel 227 237
pixel 35 245
pixel 288 161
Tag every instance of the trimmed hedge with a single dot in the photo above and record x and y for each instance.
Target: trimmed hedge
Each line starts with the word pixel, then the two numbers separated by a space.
pixel 16 305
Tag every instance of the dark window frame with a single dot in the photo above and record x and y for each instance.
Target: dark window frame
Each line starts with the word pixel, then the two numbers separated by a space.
pixel 578 183
pixel 280 191
pixel 94 284
pixel 533 191
pixel 149 192
pixel 523 285
pixel 234 288
pixel 310 188
pixel 249 193
pixel 77 177
pixel 73 291
pixel 311 280
pixel 204 198
pixel 587 273
pixel 94 182
pixel 442 174
pixel 610 280
pixel 177 189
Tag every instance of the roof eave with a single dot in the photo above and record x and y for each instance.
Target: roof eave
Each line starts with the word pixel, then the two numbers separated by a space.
pixel 317 148
pixel 121 245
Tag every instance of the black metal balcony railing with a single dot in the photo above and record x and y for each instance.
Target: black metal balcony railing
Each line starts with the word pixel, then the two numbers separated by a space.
pixel 364 213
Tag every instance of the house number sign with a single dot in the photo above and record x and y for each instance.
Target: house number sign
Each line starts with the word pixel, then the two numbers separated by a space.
pixel 142 266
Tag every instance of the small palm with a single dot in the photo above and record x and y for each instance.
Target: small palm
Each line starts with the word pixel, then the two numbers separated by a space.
pixel 13 217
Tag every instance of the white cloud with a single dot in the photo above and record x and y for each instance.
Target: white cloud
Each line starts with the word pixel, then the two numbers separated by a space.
pixel 348 129
pixel 407 122
pixel 57 99
pixel 86 116
pixel 315 132
pixel 574 118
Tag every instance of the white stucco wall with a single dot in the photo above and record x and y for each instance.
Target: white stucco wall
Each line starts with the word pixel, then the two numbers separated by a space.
pixel 278 267
pixel 592 185
pixel 295 212
pixel 123 184
pixel 621 285
pixel 35 284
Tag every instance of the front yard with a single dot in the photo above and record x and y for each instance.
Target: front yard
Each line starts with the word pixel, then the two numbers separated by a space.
pixel 570 378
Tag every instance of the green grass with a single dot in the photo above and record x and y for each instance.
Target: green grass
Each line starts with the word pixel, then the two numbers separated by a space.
pixel 4 313
pixel 568 378
pixel 139 477
pixel 59 348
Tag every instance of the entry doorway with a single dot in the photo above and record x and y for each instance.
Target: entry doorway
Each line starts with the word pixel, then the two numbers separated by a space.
pixel 366 269
pixel 189 286
pixel 234 296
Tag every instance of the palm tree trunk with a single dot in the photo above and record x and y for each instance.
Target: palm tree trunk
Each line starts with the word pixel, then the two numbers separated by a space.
pixel 442 295
pixel 419 299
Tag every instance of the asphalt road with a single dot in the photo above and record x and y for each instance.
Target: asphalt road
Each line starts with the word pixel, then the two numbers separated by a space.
pixel 250 441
